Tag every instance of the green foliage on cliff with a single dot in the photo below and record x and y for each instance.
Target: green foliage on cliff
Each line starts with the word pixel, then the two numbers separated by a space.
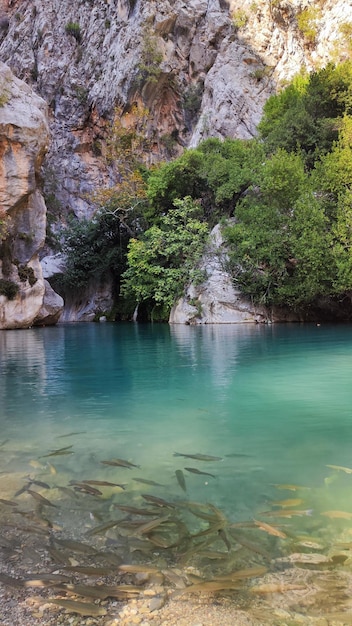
pixel 74 29
pixel 292 240
pixel 166 257
pixel 306 115
pixel 8 288
pixel 279 247
pixel 288 194
pixel 95 250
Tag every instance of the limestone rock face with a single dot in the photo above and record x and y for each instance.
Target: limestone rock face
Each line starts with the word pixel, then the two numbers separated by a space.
pixel 216 62
pixel 219 63
pixel 88 305
pixel 217 301
pixel 51 309
pixel 24 137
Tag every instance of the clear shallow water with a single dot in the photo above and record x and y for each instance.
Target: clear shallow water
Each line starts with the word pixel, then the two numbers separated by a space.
pixel 281 396
pixel 273 402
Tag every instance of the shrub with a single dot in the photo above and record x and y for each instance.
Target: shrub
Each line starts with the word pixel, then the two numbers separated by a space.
pixel 26 273
pixel 74 29
pixel 307 24
pixel 8 288
pixel 149 69
pixel 239 19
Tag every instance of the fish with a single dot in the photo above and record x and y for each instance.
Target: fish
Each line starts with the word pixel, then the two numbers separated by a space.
pixel 157 501
pixel 276 588
pixel 3 443
pixel 210 586
pixel 31 529
pixel 67 491
pixel 134 510
pixel 271 530
pixel 289 487
pixel 89 570
pixel 148 482
pixel 102 483
pixel 120 463
pixel 342 616
pixel 38 483
pixel 81 432
pixel 102 592
pixel 34 463
pixel 193 470
pixel 225 539
pixel 11 581
pixel 109 557
pixel 129 589
pixel 214 516
pixel 82 608
pixel 330 479
pixel 199 457
pixel 22 490
pixel 337 514
pixel 75 546
pixel 88 591
pixel 57 556
pixel 287 513
pixel 250 572
pixel 339 468
pixel 8 502
pixel 37 496
pixel 52 469
pixel 181 479
pixel 38 580
pixel 160 542
pixel 149 526
pixel 288 503
pixel 138 569
pixel 250 545
pixel 57 453
pixel 83 488
pixel 102 527
pixel 212 554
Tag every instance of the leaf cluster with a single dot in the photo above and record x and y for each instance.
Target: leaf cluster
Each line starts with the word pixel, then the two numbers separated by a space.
pixel 94 249
pixel 165 259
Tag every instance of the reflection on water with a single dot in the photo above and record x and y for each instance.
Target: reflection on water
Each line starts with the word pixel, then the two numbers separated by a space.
pixel 273 403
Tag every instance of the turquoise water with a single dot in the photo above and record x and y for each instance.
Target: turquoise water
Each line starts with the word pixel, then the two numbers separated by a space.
pixel 274 402
pixel 271 403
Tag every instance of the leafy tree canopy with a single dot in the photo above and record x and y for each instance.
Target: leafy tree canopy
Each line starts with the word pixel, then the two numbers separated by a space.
pixel 305 116
pixel 290 193
pixel 166 258
pixel 280 240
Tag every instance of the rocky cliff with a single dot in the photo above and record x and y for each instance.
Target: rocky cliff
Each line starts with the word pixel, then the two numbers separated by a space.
pixel 25 298
pixel 202 68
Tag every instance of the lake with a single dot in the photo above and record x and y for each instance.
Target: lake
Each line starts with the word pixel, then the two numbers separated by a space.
pixel 271 403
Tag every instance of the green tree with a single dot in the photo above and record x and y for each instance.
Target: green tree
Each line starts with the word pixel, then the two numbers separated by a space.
pixel 334 179
pixel 177 179
pixel 279 246
pixel 217 174
pixel 306 115
pixel 94 249
pixel 165 259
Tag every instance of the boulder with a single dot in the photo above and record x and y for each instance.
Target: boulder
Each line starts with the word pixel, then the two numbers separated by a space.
pixel 216 300
pixel 24 138
pixel 51 308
